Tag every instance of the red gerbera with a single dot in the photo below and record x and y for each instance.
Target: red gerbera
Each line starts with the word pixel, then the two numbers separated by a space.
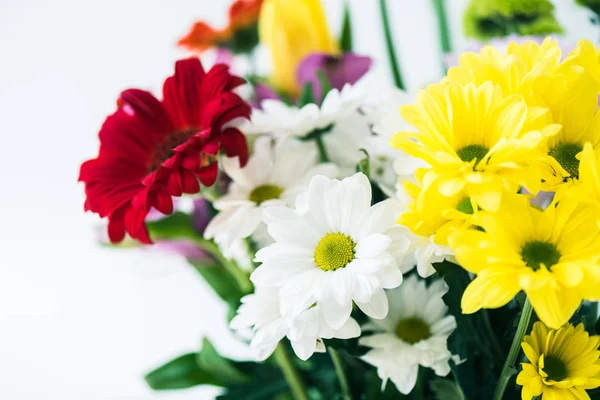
pixel 152 150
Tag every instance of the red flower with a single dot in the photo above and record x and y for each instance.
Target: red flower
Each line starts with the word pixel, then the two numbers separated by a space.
pixel 240 35
pixel 152 150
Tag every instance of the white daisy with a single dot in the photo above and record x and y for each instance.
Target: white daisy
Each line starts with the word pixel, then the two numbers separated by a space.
pixel 333 249
pixel 261 311
pixel 272 176
pixel 337 121
pixel 415 332
pixel 387 163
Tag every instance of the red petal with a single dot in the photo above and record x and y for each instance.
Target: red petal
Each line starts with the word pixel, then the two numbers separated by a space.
pixel 234 144
pixel 189 182
pixel 208 174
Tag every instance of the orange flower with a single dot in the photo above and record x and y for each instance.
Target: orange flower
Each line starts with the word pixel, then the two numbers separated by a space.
pixel 240 35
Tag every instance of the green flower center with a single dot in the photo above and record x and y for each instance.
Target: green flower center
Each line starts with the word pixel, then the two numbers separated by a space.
pixel 265 192
pixel 334 251
pixel 564 154
pixel 412 330
pixel 465 206
pixel 537 253
pixel 472 152
pixel 555 368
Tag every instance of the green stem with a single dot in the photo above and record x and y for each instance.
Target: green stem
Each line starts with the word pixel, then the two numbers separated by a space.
pixel 231 266
pixel 515 348
pixel 339 370
pixel 292 376
pixel 492 335
pixel 443 29
pixel 389 42
pixel 322 150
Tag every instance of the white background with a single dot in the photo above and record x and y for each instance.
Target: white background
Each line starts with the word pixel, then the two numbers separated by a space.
pixel 81 322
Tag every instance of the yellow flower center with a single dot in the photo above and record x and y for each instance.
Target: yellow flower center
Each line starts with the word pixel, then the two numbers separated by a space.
pixel 412 330
pixel 334 251
pixel 537 252
pixel 555 368
pixel 265 192
pixel 472 152
pixel 565 154
pixel 465 206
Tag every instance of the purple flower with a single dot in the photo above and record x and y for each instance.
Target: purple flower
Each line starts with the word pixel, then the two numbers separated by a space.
pixel 339 70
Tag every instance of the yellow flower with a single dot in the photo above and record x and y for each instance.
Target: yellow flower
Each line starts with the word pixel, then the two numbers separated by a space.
pixel 515 71
pixel 588 189
pixel 586 56
pixel 563 363
pixel 552 255
pixel 478 140
pixel 293 29
pixel 433 214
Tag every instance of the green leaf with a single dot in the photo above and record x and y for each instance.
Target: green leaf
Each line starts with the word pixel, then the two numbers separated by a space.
pixel 307 96
pixel 210 360
pixel 445 389
pixel 181 373
pixel 266 382
pixel 325 84
pixel 346 37
pixel 470 337
pixel 222 282
pixel 364 165
pixel 175 226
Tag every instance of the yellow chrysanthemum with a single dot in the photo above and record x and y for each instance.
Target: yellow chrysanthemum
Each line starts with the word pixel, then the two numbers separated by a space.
pixel 552 255
pixel 588 189
pixel 477 140
pixel 586 56
pixel 515 71
pixel 435 214
pixel 562 365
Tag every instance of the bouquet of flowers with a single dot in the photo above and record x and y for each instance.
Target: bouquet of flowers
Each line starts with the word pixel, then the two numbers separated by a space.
pixel 448 241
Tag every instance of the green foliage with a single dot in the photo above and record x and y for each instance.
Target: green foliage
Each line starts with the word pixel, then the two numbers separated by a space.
pixel 481 339
pixel 180 373
pixel 173 227
pixel 445 389
pixel 243 40
pixel 206 367
pixel 364 165
pixel 485 19
pixel 346 37
pixel 208 359
pixel 593 5
pixel 306 96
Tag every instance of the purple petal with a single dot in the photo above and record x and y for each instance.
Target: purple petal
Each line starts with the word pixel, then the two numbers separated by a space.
pixel 201 214
pixel 263 92
pixel 185 248
pixel 339 70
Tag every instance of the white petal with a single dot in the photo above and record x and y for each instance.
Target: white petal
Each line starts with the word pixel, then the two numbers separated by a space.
pixel 405 378
pixel 389 276
pixel 350 329
pixel 377 306
pixel 372 245
pixel 377 219
pixel 305 347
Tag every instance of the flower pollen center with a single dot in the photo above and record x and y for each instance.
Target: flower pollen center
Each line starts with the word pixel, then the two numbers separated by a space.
pixel 265 192
pixel 537 252
pixel 334 251
pixel 564 154
pixel 412 330
pixel 465 206
pixel 472 152
pixel 166 148
pixel 555 368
